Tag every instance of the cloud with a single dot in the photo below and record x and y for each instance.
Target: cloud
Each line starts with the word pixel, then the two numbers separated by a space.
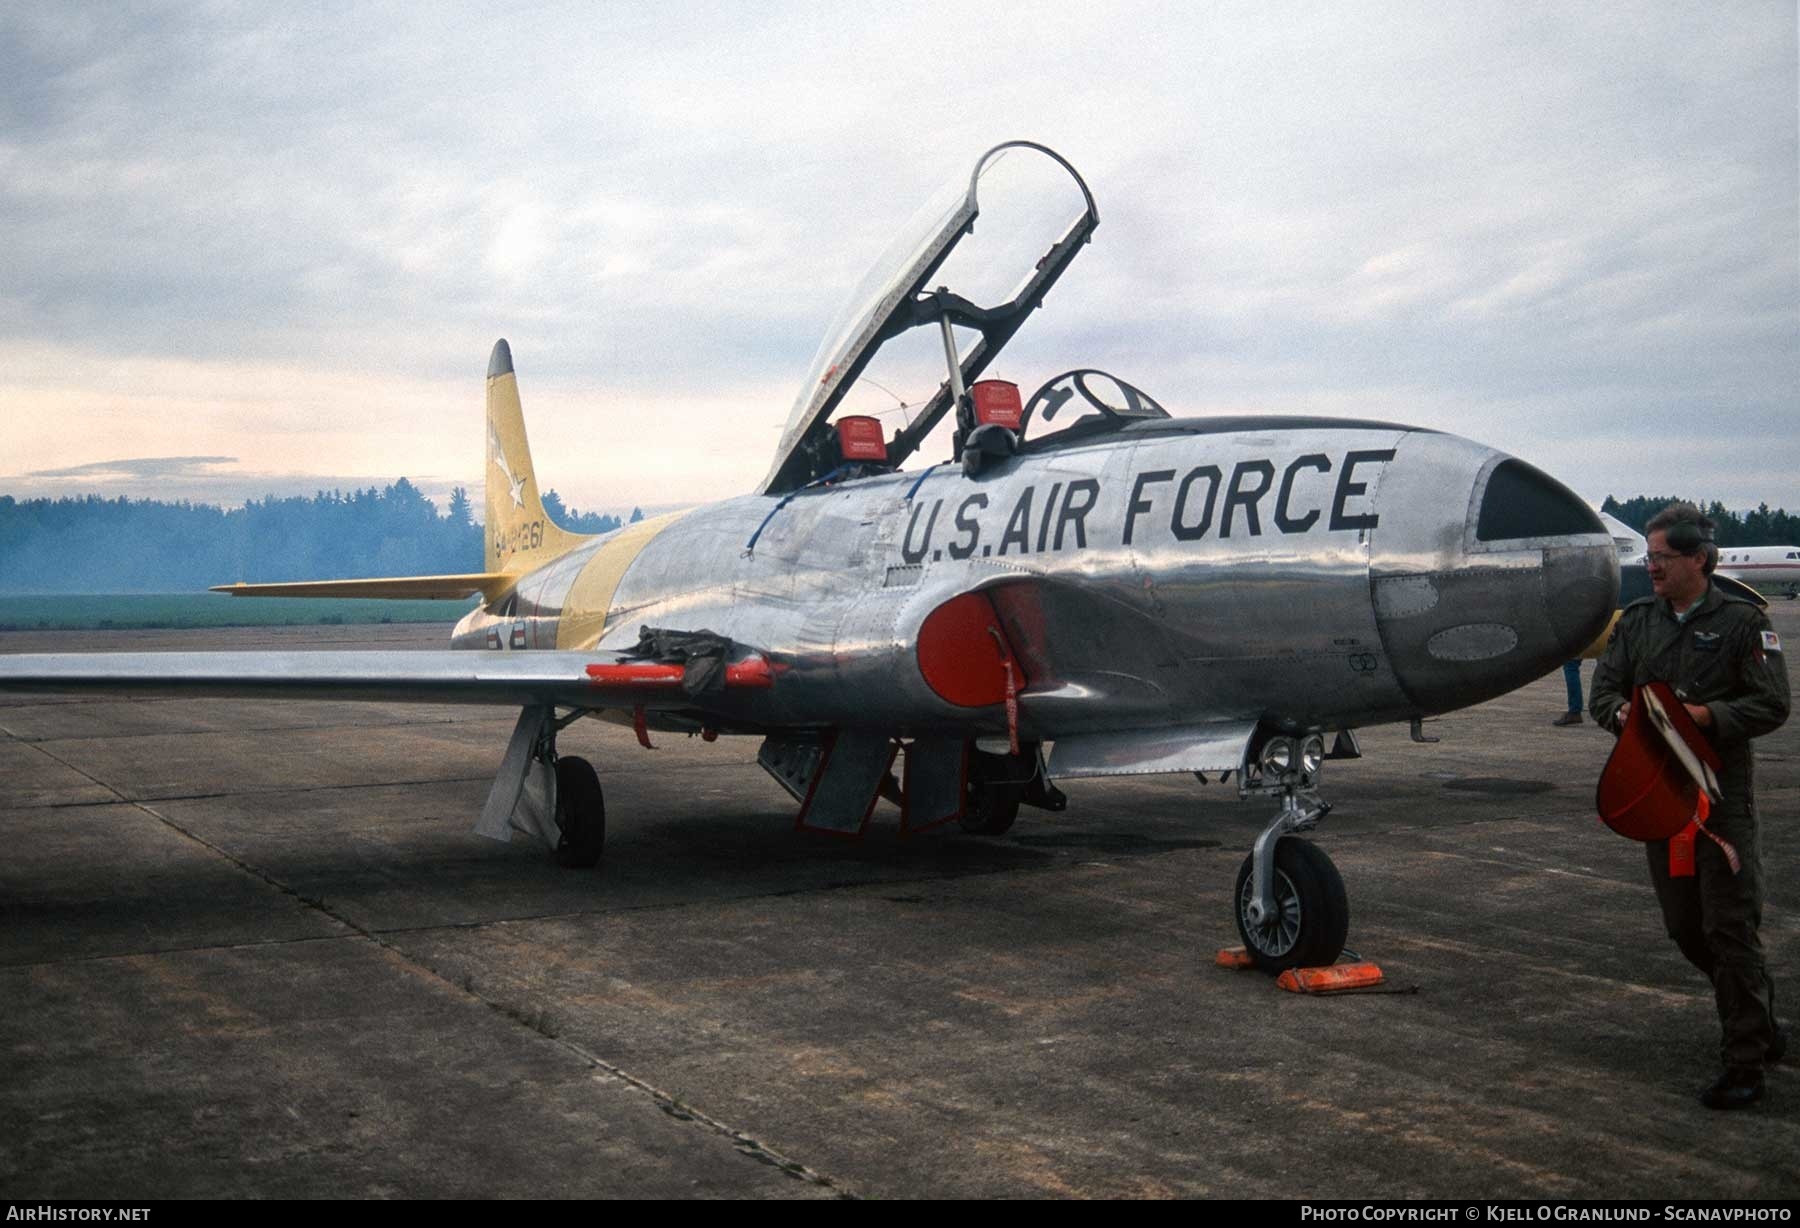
pixel 139 468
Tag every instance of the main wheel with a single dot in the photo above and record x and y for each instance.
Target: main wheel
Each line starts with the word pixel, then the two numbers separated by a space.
pixel 580 813
pixel 1312 915
pixel 991 793
pixel 989 807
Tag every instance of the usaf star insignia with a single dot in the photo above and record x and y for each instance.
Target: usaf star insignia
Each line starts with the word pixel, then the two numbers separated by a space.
pixel 497 453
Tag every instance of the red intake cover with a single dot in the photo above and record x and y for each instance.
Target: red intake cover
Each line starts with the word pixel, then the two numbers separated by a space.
pixel 963 652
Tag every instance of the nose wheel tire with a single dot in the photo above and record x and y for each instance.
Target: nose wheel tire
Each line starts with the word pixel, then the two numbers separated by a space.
pixel 1312 915
pixel 580 814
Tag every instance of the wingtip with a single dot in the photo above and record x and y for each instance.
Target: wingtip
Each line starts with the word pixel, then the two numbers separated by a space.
pixel 500 361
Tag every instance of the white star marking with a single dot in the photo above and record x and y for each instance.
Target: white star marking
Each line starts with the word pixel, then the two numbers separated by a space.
pixel 498 456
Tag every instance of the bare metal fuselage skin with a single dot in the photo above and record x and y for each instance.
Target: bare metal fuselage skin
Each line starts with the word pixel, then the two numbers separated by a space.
pixel 1304 572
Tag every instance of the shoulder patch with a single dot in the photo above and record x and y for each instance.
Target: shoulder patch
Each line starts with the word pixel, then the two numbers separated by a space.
pixel 1771 642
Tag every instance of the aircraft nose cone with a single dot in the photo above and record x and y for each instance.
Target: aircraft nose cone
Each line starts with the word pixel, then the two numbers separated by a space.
pixel 1533 581
pixel 1581 591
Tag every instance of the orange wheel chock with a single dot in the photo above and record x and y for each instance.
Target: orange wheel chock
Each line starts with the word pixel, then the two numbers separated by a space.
pixel 1335 979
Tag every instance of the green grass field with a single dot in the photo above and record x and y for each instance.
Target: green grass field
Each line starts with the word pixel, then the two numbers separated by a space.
pixel 77 611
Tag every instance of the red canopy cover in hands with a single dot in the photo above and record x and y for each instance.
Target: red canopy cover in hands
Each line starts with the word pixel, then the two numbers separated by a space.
pixel 1650 788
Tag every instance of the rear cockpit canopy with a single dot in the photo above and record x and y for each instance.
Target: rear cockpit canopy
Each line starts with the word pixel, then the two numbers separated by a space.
pixel 893 299
pixel 1104 402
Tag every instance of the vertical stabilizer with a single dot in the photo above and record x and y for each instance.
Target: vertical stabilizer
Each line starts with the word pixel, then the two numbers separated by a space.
pixel 520 536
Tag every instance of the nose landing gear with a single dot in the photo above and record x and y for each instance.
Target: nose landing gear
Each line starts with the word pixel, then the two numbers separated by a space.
pixel 1289 898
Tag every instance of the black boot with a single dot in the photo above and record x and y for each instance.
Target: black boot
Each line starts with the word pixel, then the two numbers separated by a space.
pixel 1735 1089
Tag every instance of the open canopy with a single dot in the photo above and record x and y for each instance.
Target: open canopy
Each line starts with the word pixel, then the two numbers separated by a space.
pixel 893 298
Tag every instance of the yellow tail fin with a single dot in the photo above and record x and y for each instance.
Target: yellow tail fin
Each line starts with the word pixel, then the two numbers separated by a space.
pixel 520 536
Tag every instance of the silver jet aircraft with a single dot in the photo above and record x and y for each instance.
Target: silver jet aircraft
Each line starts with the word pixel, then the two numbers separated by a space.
pixel 1085 586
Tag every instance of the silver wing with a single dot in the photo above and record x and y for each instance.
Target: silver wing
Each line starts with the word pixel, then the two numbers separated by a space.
pixel 523 795
pixel 518 679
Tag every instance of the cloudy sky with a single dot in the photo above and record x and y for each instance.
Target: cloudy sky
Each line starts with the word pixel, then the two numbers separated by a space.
pixel 251 251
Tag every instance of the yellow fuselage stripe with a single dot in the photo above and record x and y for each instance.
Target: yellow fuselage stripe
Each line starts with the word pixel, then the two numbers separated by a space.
pixel 585 609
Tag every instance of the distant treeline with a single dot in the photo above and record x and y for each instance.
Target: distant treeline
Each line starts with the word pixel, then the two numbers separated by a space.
pixel 1761 527
pixel 95 545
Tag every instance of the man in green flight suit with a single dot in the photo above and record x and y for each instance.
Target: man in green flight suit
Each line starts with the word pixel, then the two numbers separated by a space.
pixel 1726 666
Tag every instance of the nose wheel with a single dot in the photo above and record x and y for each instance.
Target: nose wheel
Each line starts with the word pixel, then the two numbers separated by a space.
pixel 1310 917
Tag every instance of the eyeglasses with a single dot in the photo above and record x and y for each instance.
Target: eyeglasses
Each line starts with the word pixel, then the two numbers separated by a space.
pixel 1663 558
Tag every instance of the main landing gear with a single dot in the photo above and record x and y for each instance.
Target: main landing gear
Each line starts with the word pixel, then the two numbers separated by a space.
pixel 1289 898
pixel 995 785
pixel 577 803
pixel 580 814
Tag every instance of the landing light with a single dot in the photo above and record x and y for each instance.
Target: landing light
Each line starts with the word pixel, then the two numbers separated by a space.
pixel 1312 754
pixel 1277 756
pixel 1286 761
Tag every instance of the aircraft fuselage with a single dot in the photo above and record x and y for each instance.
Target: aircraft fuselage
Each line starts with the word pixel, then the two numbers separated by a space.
pixel 1298 570
pixel 1772 569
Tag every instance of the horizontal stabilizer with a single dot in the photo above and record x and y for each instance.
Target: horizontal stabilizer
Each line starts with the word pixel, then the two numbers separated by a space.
pixel 438 676
pixel 442 588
